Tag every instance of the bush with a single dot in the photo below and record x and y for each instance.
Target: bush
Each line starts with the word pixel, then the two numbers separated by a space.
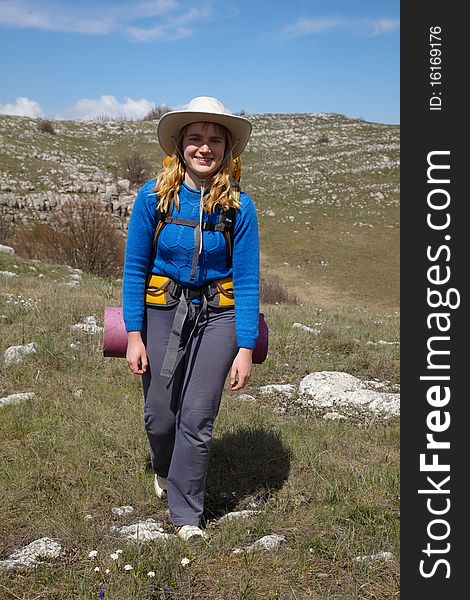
pixel 156 112
pixel 46 127
pixel 6 227
pixel 135 168
pixel 322 139
pixel 80 234
pixel 274 293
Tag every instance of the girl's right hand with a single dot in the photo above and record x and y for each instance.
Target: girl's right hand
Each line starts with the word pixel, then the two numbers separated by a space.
pixel 136 354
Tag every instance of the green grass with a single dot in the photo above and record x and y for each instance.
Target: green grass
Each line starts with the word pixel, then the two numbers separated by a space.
pixel 79 448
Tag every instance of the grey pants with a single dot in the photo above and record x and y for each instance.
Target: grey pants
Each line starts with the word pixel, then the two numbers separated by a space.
pixel 179 413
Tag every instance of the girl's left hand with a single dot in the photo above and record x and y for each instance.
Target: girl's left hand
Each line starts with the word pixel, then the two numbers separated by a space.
pixel 241 369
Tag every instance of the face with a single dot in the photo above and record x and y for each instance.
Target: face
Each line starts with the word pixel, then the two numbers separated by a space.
pixel 203 150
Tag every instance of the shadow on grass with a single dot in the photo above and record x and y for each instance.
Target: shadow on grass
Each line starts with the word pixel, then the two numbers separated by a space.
pixel 246 466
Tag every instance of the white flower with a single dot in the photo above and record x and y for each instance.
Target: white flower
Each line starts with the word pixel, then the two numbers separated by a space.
pixel 119 551
pixel 114 555
pixel 127 568
pixel 107 571
pixel 92 554
pixel 151 573
pixel 185 561
pixel 97 569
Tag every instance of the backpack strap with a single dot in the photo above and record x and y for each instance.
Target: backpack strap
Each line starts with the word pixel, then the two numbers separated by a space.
pixel 225 224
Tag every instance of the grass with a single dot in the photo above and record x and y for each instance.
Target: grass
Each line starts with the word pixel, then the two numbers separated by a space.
pixel 79 448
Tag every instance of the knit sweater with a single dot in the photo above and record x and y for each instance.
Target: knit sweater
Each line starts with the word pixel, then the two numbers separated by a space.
pixel 174 257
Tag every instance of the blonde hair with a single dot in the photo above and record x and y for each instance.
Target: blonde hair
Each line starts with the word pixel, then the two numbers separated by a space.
pixel 221 184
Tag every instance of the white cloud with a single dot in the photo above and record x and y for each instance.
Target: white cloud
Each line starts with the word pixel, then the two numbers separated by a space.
pixel 304 27
pixel 22 107
pixel 91 108
pixel 164 19
pixel 384 26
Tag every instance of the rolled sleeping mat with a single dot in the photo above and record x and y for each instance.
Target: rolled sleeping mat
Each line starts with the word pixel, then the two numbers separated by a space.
pixel 261 349
pixel 114 333
pixel 115 336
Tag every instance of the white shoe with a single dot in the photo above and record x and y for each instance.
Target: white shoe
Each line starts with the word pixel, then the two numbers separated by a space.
pixel 160 484
pixel 185 532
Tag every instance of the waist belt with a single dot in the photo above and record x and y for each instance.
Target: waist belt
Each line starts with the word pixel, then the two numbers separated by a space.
pixel 164 291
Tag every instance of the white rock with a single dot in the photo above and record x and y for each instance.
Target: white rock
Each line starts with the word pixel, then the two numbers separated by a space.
pixel 75 276
pixel 14 354
pixel 287 389
pixel 268 542
pixel 245 398
pixel 333 416
pixel 33 554
pixel 239 514
pixel 336 389
pixel 122 511
pixel 143 531
pixel 8 274
pixel 7 249
pixel 305 328
pixel 379 556
pixel 89 325
pixel 16 398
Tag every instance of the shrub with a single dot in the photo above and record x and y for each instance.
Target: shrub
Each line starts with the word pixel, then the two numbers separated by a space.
pixel 80 234
pixel 323 139
pixel 274 293
pixel 135 167
pixel 156 112
pixel 46 127
pixel 6 227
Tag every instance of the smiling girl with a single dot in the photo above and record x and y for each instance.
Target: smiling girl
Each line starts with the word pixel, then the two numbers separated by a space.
pixel 191 296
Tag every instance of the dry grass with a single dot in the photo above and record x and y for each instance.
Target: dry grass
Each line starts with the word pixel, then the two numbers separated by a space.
pixel 80 234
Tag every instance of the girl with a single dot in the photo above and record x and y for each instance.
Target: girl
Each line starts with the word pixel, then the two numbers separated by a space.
pixel 191 296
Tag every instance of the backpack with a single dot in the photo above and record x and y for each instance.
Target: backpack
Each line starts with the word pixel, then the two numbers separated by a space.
pixel 226 223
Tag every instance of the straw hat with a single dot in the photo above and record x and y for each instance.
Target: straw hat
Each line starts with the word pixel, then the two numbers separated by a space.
pixel 203 109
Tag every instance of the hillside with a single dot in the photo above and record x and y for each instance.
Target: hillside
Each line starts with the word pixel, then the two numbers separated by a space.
pixel 326 187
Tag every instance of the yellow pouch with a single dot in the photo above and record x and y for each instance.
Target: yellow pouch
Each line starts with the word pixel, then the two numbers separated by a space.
pixel 224 295
pixel 157 290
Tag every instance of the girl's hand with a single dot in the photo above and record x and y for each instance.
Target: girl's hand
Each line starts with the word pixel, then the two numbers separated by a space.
pixel 241 369
pixel 136 354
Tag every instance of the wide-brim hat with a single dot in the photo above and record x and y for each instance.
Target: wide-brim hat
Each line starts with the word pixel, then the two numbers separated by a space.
pixel 203 109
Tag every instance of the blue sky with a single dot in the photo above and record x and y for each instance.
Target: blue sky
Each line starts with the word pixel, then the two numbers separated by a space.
pixel 63 59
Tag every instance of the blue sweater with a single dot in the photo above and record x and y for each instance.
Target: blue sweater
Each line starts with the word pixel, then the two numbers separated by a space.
pixel 174 257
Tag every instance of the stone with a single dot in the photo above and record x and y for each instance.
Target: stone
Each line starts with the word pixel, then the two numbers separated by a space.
pixel 267 542
pixel 122 511
pixel 7 249
pixel 33 554
pixel 143 531
pixel 8 274
pixel 239 514
pixel 89 325
pixel 305 328
pixel 333 416
pixel 385 556
pixel 14 355
pixel 17 398
pixel 328 389
pixel 287 390
pixel 245 398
